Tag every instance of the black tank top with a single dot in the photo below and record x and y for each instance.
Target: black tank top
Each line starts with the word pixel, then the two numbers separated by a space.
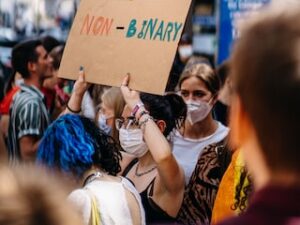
pixel 154 214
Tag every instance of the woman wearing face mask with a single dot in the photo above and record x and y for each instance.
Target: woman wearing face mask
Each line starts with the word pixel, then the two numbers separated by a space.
pixel 111 107
pixel 146 121
pixel 198 86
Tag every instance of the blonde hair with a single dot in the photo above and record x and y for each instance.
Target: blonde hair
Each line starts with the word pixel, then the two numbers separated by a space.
pixel 204 72
pixel 113 98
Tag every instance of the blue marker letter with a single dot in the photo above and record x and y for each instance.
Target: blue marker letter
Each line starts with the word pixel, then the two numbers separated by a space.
pixel 131 29
pixel 141 34
pixel 177 28
pixel 159 31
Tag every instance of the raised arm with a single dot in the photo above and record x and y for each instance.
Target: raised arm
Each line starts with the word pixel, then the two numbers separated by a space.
pixel 80 87
pixel 171 176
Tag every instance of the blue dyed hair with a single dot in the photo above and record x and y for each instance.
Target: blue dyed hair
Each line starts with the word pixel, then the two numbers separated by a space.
pixel 73 144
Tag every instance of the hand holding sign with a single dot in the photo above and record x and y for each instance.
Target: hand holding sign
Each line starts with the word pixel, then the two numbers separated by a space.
pixel 80 85
pixel 131 97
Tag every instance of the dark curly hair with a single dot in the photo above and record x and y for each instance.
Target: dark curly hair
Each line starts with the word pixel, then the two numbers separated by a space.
pixel 74 143
pixel 169 108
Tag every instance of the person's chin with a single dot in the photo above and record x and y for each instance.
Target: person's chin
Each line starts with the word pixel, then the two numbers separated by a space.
pixel 48 75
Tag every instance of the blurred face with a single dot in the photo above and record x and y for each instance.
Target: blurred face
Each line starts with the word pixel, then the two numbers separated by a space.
pixel 194 89
pixel 43 64
pixel 51 76
pixel 185 52
pixel 108 113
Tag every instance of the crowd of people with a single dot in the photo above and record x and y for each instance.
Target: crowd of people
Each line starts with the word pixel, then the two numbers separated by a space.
pixel 219 147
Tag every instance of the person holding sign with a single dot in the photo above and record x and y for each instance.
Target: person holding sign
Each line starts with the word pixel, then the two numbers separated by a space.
pixel 147 119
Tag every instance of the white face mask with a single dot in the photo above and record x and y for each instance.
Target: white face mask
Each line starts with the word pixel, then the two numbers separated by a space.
pixel 185 51
pixel 102 123
pixel 132 142
pixel 197 110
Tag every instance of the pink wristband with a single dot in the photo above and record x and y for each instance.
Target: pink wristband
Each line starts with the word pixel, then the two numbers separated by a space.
pixel 136 108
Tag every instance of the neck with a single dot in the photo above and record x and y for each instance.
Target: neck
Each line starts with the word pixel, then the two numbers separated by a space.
pixel 200 129
pixel 90 172
pixel 146 160
pixel 35 81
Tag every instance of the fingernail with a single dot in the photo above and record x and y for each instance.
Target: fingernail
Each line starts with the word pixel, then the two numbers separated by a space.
pixel 81 68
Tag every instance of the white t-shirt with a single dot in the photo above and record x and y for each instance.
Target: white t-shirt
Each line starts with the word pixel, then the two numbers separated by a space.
pixel 187 151
pixel 87 106
pixel 111 201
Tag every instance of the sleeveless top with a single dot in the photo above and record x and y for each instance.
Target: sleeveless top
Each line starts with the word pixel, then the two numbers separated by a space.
pixel 154 214
pixel 111 201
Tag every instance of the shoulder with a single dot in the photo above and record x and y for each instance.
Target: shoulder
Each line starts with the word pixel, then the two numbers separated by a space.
pixel 222 129
pixel 82 202
pixel 128 184
pixel 24 99
pixel 79 197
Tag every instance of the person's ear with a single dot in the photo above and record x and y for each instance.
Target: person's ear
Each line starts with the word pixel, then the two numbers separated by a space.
pixel 161 125
pixel 31 66
pixel 240 126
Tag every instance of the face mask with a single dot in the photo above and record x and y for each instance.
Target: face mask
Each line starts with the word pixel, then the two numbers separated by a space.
pixel 185 51
pixel 132 142
pixel 197 111
pixel 103 125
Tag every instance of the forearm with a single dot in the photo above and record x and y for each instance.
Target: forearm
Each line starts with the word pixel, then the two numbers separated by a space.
pixel 28 148
pixel 167 165
pixel 74 104
pixel 80 87
pixel 155 140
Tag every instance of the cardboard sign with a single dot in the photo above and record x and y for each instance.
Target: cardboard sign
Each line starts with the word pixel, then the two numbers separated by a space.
pixel 112 38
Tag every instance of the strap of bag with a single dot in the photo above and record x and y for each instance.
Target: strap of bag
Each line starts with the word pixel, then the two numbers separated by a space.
pixel 95 218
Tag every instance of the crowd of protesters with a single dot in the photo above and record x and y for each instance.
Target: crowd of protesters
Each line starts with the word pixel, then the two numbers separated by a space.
pixel 219 147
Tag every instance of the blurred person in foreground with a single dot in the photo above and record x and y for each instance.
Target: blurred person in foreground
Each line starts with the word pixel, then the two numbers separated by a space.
pixel 265 115
pixel 29 117
pixel 31 196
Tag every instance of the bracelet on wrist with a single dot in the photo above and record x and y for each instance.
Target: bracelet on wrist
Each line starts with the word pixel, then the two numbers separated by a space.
pixel 73 111
pixel 136 108
pixel 143 123
pixel 139 115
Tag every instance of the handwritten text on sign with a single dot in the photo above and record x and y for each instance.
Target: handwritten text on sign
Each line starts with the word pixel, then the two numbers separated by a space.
pixel 152 29
pixel 106 33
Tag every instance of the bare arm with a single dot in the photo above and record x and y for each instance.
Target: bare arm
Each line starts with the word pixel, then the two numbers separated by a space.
pixel 28 147
pixel 3 150
pixel 80 87
pixel 168 168
pixel 171 175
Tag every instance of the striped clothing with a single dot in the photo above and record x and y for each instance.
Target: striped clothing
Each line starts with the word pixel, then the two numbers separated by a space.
pixel 28 116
